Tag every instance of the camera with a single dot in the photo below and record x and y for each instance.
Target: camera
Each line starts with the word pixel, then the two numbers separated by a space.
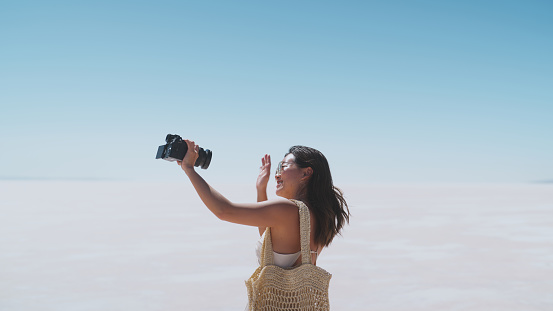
pixel 176 148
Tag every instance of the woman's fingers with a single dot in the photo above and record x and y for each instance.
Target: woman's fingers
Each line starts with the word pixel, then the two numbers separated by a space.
pixel 265 162
pixel 191 155
pixel 189 144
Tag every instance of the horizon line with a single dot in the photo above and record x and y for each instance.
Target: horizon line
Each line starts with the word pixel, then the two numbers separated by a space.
pixel 27 178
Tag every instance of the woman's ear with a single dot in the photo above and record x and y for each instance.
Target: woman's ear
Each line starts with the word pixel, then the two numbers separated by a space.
pixel 307 173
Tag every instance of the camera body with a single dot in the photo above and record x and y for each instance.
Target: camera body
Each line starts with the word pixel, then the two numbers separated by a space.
pixel 176 148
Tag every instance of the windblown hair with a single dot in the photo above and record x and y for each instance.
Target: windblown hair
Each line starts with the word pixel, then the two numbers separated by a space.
pixel 324 200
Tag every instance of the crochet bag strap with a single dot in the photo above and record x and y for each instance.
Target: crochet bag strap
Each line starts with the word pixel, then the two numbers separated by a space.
pixel 267 249
pixel 305 232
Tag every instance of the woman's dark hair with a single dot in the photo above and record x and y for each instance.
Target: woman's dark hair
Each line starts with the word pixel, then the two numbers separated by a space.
pixel 323 199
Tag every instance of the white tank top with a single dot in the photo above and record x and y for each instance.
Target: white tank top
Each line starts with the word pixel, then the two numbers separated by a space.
pixel 281 260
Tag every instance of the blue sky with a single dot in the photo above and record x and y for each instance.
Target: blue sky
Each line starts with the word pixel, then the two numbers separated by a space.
pixel 389 91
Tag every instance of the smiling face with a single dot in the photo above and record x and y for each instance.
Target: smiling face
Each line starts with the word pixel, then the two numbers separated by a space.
pixel 290 178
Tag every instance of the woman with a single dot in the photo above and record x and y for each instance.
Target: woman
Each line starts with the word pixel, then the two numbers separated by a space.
pixel 303 175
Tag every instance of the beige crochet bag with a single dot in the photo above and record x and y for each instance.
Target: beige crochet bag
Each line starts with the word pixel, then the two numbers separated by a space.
pixel 300 288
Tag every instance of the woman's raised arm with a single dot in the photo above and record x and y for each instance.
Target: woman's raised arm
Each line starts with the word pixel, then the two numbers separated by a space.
pixel 262 214
pixel 262 181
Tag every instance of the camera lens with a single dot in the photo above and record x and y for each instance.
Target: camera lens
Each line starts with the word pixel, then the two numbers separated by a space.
pixel 207 159
pixel 201 158
pixel 204 158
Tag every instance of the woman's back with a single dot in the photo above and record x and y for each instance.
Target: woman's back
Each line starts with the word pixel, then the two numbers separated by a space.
pixel 287 245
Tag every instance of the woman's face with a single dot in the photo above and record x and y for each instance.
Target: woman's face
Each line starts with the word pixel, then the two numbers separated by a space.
pixel 288 177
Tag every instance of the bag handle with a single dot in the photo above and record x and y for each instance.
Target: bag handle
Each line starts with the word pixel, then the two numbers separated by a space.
pixel 305 232
pixel 267 257
pixel 267 249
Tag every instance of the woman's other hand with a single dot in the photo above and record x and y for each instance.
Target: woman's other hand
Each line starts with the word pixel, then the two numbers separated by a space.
pixel 264 173
pixel 262 181
pixel 263 178
pixel 190 157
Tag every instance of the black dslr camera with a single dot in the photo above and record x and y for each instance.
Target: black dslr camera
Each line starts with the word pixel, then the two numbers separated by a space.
pixel 176 148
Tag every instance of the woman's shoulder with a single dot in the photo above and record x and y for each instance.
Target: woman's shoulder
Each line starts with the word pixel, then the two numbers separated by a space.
pixel 283 203
pixel 282 206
